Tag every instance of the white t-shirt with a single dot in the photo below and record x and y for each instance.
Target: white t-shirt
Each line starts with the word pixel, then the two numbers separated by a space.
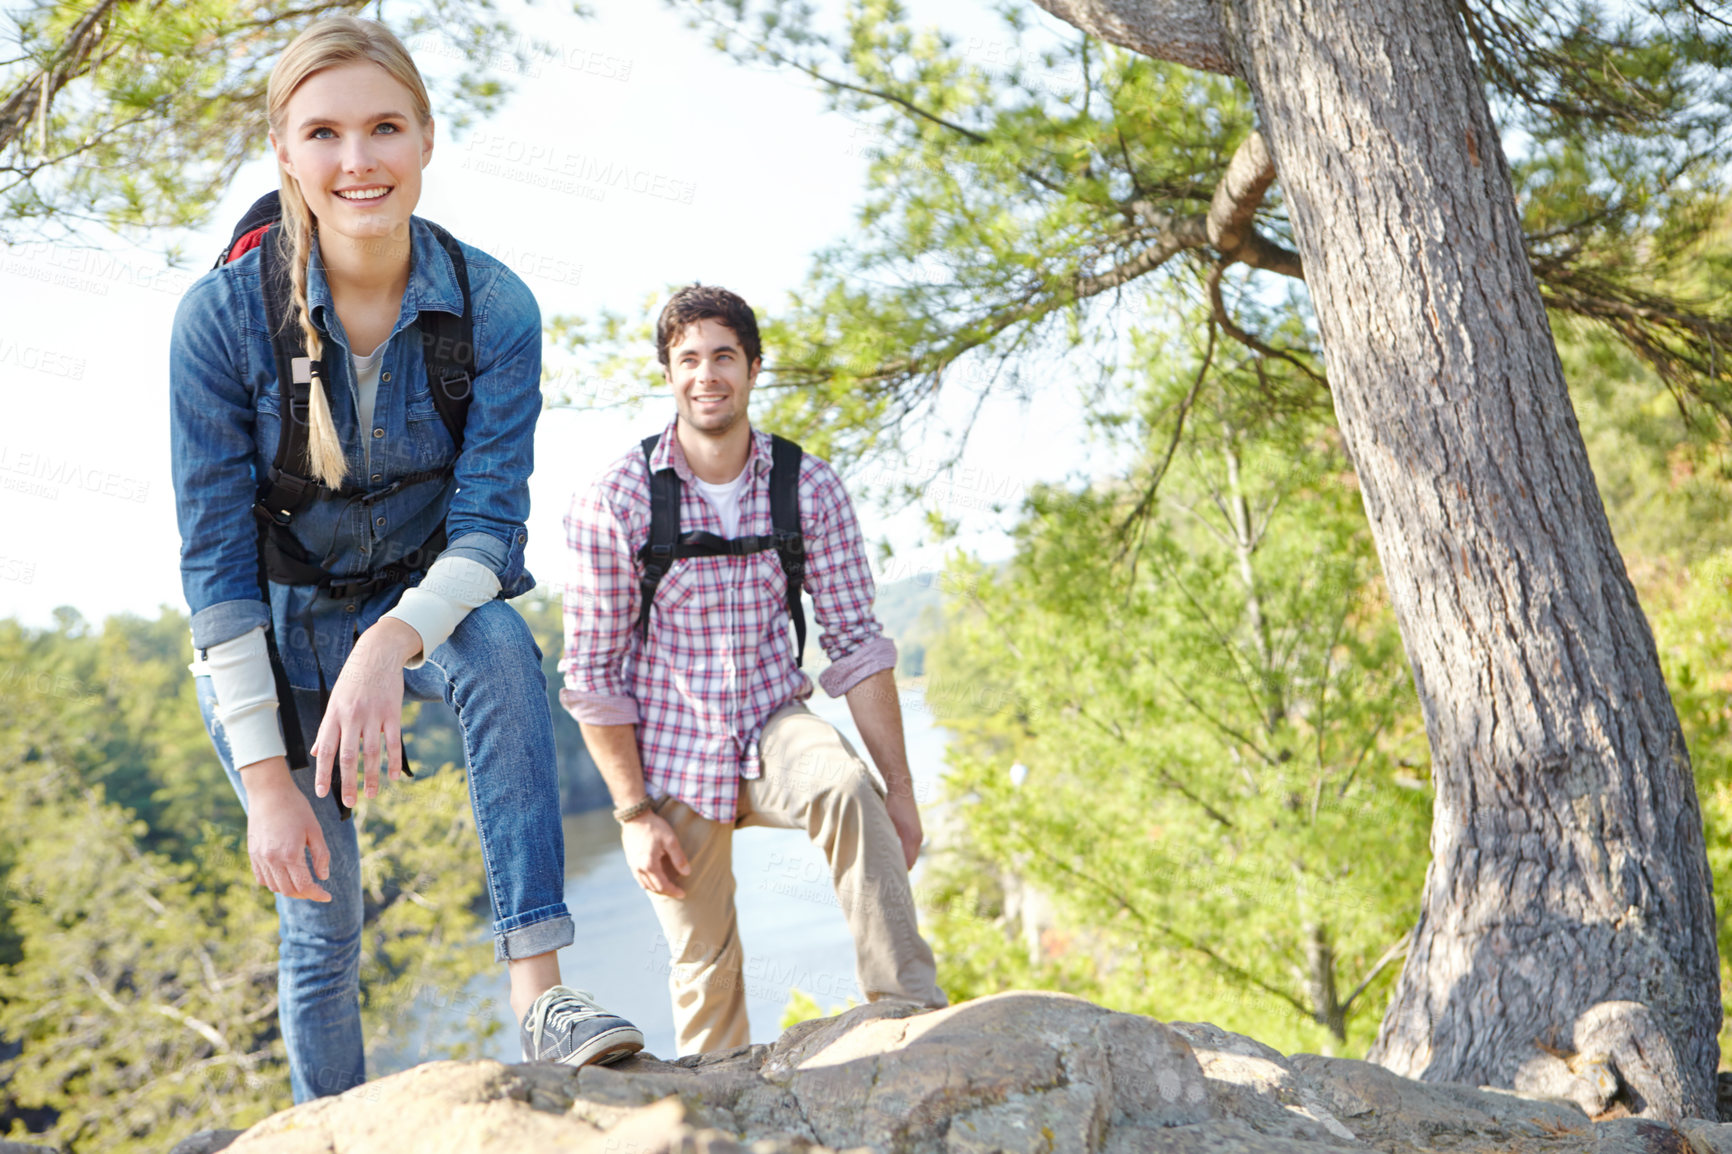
pixel 725 500
pixel 367 394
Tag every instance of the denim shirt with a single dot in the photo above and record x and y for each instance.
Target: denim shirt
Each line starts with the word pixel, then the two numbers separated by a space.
pixel 225 415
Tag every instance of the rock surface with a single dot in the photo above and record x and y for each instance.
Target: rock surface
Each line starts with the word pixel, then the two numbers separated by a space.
pixel 1018 1073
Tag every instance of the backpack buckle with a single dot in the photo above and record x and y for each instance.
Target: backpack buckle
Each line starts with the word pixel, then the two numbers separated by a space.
pixel 456 385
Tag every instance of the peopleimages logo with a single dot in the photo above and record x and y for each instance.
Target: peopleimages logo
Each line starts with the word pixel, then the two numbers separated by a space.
pixel 39 474
pixel 90 270
pixel 41 360
pixel 549 166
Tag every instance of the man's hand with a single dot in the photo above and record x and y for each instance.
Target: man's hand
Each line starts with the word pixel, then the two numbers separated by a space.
pixel 365 714
pixel 280 829
pixel 653 852
pixel 905 816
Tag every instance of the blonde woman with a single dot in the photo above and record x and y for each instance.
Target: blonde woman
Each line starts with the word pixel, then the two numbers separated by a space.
pixel 369 557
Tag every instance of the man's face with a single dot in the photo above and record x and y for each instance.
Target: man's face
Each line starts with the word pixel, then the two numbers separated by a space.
pixel 711 378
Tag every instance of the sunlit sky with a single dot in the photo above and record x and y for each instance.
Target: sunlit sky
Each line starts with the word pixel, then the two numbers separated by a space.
pixel 736 176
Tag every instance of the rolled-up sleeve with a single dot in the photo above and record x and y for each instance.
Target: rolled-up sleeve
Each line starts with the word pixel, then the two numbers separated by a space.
pixel 211 433
pixel 840 581
pixel 601 601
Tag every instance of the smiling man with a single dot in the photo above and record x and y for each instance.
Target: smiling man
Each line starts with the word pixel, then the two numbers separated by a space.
pixel 679 667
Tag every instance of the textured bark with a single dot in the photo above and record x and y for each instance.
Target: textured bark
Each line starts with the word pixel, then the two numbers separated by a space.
pixel 1231 221
pixel 1184 31
pixel 1568 897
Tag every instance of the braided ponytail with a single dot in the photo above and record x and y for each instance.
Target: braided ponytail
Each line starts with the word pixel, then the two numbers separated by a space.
pixel 324 446
pixel 325 44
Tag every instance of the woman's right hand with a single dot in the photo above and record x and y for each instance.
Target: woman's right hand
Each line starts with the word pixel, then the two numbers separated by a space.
pixel 280 829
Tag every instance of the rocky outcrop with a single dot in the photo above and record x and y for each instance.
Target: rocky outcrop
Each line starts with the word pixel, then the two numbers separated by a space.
pixel 1021 1073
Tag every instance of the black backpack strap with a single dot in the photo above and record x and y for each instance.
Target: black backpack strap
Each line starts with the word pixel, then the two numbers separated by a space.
pixel 657 554
pixel 285 492
pixel 287 488
pixel 294 741
pixel 448 348
pixel 785 457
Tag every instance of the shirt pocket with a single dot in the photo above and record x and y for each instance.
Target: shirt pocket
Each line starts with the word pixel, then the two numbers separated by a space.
pixel 430 444
pixel 769 606
pixel 680 589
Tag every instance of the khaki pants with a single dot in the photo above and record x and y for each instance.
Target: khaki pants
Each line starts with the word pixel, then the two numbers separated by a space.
pixel 812 780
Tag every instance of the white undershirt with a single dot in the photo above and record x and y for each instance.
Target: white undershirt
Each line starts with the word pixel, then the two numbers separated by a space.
pixel 367 396
pixel 725 500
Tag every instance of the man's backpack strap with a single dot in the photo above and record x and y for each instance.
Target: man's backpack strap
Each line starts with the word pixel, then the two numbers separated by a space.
pixel 666 544
pixel 658 551
pixel 448 348
pixel 785 458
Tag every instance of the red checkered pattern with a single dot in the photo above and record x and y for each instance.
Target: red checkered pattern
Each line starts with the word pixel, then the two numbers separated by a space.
pixel 720 654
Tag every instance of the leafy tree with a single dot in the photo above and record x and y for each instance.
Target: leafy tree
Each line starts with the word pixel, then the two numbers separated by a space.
pixel 137 955
pixel 1429 278
pixel 1188 730
pixel 137 113
pixel 1018 189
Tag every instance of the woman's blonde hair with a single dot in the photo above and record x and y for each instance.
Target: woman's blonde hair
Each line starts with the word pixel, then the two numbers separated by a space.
pixel 327 43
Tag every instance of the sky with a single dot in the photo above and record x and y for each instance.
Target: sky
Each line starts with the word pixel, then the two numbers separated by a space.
pixel 722 173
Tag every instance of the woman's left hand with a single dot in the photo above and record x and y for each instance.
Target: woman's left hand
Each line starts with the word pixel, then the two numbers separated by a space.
pixel 365 716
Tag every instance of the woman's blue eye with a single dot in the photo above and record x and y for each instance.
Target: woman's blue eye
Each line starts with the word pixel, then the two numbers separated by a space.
pixel 386 128
pixel 322 134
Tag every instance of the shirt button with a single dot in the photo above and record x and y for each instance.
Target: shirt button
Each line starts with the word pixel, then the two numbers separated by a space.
pixel 377 433
pixel 379 522
pixel 349 608
pixel 377 477
pixel 386 375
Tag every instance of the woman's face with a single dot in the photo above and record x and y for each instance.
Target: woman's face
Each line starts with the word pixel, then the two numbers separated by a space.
pixel 351 139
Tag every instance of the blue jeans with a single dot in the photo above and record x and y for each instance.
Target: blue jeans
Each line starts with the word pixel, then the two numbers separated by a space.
pixel 489 671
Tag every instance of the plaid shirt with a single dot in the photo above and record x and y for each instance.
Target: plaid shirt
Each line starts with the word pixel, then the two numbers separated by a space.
pixel 719 659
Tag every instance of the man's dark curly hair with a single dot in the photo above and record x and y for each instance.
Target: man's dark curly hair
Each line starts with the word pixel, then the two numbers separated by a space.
pixel 701 302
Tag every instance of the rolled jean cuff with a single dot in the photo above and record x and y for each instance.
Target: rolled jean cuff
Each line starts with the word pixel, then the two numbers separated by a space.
pixel 537 932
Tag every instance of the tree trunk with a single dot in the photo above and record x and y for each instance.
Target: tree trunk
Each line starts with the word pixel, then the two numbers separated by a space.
pixel 1568 901
pixel 1326 1007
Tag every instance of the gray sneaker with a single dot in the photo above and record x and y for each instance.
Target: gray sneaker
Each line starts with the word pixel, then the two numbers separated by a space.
pixel 566 1026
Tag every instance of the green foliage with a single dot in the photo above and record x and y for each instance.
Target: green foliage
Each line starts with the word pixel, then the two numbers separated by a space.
pixel 1196 785
pixel 422 885
pixel 1217 761
pixel 803 1007
pixel 1225 803
pixel 137 955
pixel 1019 185
pixel 139 981
pixel 126 113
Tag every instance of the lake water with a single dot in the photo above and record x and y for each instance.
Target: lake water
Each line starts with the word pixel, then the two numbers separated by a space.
pixel 791 929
